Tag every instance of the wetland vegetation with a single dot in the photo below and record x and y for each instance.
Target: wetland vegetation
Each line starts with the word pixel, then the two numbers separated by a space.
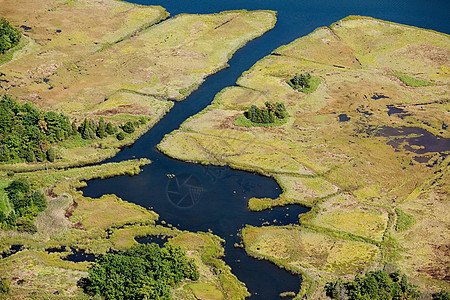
pixel 374 204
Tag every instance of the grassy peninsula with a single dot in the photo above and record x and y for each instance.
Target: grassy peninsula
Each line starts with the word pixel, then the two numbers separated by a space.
pixel 133 63
pixel 367 150
pixel 127 68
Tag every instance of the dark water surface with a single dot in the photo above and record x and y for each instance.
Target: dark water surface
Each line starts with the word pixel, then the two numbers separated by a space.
pixel 215 198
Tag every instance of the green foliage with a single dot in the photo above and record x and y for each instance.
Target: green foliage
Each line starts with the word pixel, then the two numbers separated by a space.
pixel 301 81
pixel 270 114
pixel 26 131
pixel 101 129
pixel 120 136
pixel 4 286
pixel 38 200
pixel 441 295
pixel 376 285
pixel 109 128
pixel 9 36
pixel 51 155
pixel 25 225
pixel 304 83
pixel 2 216
pixel 26 202
pixel 143 272
pixel 411 81
pixel 128 127
pixel 404 220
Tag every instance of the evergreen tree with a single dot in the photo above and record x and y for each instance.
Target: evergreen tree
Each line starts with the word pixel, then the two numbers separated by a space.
pixel 85 134
pixel 74 128
pixel 101 130
pixel 91 133
pixel 120 136
pixel 128 127
pixel 109 128
pixel 83 126
pixel 40 156
pixel 51 155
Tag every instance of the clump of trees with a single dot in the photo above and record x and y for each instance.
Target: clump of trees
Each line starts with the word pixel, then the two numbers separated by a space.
pixel 9 36
pixel 142 272
pixel 28 133
pixel 89 129
pixel 26 203
pixel 266 115
pixel 375 285
pixel 300 81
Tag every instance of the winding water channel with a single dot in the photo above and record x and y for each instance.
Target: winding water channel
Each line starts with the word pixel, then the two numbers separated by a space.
pixel 203 198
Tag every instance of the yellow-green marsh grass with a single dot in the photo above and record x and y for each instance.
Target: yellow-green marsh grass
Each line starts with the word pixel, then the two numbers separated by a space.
pixel 298 249
pixel 91 213
pixel 209 249
pixel 342 213
pixel 353 58
pixel 34 273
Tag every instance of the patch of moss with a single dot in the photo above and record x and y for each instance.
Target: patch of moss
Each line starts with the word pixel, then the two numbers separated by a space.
pixel 404 220
pixel 411 81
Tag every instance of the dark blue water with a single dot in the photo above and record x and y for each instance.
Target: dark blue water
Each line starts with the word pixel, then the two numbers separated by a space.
pixel 209 198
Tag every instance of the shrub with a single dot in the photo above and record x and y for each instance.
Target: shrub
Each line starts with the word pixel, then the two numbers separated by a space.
pixel 51 155
pixel 128 127
pixel 109 128
pixel 441 295
pixel 4 286
pixel 120 136
pixel 25 225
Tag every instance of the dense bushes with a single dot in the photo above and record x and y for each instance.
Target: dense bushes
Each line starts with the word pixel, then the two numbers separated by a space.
pixel 9 36
pixel 267 115
pixel 28 133
pixel 377 285
pixel 441 295
pixel 143 272
pixel 26 203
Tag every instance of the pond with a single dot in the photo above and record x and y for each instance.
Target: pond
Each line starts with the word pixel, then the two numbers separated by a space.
pixel 215 198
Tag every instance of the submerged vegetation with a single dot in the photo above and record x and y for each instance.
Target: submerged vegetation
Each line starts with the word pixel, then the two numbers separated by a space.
pixel 142 272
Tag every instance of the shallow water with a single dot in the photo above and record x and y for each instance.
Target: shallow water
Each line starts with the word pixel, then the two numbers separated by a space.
pixel 215 198
pixel 414 139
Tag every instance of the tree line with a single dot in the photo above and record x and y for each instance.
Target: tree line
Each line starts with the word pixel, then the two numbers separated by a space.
pixel 27 133
pixel 9 36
